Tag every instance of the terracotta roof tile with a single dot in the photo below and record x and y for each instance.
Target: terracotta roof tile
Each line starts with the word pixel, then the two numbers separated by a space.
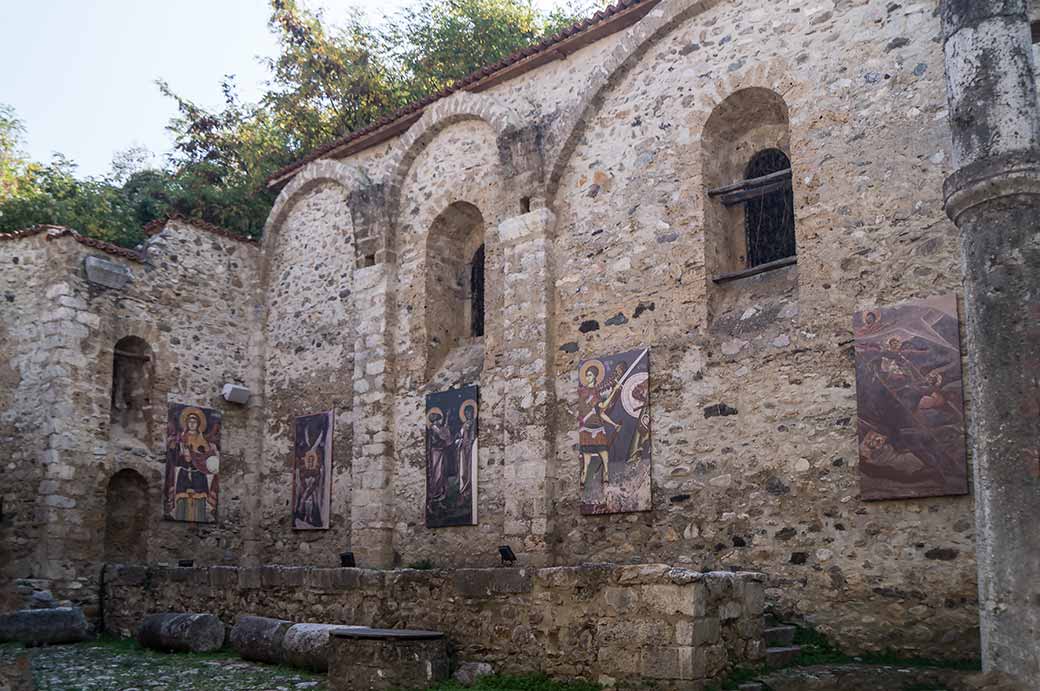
pixel 482 78
pixel 54 232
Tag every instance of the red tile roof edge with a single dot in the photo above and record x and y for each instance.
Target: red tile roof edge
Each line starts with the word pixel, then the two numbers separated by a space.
pixel 27 232
pixel 472 82
pixel 54 232
pixel 155 227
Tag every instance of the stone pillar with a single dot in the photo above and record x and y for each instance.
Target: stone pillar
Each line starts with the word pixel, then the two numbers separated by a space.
pixel 372 458
pixel 994 198
pixel 528 427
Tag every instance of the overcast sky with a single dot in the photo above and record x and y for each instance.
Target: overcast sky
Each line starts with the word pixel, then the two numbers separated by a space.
pixel 81 73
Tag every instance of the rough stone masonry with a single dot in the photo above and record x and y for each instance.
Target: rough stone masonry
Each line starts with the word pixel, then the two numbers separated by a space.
pixel 584 171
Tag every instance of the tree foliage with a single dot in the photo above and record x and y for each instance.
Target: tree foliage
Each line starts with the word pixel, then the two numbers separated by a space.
pixel 325 81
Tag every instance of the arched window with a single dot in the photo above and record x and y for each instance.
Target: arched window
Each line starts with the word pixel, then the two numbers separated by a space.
pixel 131 395
pixel 769 212
pixel 454 281
pixel 476 293
pixel 749 214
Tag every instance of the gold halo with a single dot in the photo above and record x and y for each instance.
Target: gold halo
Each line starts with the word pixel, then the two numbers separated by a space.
pixel 431 411
pixel 188 412
pixel 593 365
pixel 468 403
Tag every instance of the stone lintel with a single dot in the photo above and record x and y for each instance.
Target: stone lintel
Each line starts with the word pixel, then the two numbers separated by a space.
pixel 106 274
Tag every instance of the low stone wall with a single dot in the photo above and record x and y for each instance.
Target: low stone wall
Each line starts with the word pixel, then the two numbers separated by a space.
pixel 600 621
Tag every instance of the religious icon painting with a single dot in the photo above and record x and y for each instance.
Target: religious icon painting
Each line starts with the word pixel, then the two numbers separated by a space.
pixel 452 425
pixel 910 398
pixel 614 440
pixel 312 472
pixel 191 485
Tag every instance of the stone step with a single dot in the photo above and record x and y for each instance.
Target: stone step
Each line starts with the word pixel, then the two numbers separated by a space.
pixel 781 655
pixel 779 635
pixel 752 686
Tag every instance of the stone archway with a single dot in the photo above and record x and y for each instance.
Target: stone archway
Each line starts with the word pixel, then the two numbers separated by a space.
pixel 126 522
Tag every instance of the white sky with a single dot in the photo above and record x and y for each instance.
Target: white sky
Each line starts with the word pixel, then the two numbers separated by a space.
pixel 81 73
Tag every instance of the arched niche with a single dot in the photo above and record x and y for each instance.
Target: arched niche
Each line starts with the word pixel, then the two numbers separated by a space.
pixel 133 372
pixel 455 312
pixel 126 517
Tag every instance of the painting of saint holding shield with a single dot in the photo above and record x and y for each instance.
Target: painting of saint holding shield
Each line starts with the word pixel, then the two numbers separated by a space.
pixel 451 457
pixel 910 399
pixel 312 471
pixel 614 439
pixel 191 486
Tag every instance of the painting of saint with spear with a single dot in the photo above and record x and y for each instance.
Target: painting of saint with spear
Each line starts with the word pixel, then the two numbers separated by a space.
pixel 614 438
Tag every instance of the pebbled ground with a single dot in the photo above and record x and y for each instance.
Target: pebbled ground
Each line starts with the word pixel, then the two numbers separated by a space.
pixel 123 666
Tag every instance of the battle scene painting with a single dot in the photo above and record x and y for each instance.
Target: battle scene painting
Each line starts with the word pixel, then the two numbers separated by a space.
pixel 910 397
pixel 614 440
pixel 312 471
pixel 452 425
pixel 191 486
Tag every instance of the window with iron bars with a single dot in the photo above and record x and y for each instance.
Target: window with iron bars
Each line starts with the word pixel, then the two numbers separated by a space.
pixel 768 199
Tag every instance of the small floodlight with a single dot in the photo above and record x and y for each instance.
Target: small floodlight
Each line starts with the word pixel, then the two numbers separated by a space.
pixel 506 552
pixel 346 560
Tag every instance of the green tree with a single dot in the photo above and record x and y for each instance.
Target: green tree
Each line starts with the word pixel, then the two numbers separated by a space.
pixel 435 43
pixel 13 163
pixel 326 81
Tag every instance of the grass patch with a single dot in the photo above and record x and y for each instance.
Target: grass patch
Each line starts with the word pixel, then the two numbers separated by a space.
pixel 534 682
pixel 129 646
pixel 817 649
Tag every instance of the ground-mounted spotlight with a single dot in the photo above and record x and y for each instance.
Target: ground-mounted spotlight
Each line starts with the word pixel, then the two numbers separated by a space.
pixel 506 552
pixel 346 560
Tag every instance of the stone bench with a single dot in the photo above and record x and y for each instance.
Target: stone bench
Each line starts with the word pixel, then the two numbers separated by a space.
pixel 387 659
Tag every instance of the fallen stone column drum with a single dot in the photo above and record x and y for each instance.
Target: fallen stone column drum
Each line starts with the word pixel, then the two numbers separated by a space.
pixel 260 638
pixel 44 626
pixel 182 632
pixel 387 659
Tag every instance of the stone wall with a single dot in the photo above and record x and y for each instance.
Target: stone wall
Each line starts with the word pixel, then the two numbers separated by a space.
pixel 655 622
pixel 587 178
pixel 614 149
pixel 310 328
pixel 191 297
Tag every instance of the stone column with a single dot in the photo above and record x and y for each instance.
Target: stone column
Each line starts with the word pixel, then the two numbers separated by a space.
pixel 373 453
pixel 528 400
pixel 994 198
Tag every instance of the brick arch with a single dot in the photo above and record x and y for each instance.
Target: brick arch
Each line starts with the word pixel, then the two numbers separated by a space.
pixel 459 107
pixel 351 178
pixel 634 43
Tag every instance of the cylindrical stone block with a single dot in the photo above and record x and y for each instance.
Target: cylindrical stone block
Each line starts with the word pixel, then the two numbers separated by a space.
pixel 44 626
pixel 989 77
pixel 259 638
pixel 182 632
